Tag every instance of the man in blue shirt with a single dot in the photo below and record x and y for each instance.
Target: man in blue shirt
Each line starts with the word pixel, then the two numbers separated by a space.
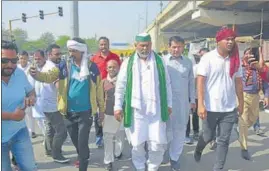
pixel 17 94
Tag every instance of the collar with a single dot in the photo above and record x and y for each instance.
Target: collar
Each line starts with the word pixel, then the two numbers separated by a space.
pixel 218 55
pixel 173 58
pixel 99 54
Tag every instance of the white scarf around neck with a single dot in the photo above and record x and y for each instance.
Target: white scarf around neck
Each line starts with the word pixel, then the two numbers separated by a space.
pixel 152 98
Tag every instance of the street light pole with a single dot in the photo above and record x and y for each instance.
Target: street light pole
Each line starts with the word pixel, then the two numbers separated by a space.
pixel 139 18
pixel 146 14
pixel 74 19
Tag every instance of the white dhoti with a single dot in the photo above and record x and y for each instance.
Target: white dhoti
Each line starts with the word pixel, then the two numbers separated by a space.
pixel 113 139
pixel 148 129
pixel 113 145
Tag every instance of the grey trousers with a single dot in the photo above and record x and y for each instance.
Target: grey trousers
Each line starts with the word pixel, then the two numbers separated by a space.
pixel 55 134
pixel 225 122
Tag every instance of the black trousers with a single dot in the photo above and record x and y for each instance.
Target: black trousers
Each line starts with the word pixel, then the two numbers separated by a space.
pixel 195 122
pixel 78 126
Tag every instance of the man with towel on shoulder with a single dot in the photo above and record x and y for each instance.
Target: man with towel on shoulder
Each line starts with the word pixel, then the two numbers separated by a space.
pixel 144 87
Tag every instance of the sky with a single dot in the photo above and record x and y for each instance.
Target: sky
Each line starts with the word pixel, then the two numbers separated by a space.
pixel 117 20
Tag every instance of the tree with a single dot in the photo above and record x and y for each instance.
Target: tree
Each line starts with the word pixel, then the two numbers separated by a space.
pixel 20 37
pixel 92 45
pixel 61 41
pixel 48 38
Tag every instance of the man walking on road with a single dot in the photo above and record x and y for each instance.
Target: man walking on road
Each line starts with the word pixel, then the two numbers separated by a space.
pixel 25 66
pixel 144 84
pixel 182 82
pixel 79 95
pixel 56 132
pixel 219 82
pixel 17 94
pixel 101 59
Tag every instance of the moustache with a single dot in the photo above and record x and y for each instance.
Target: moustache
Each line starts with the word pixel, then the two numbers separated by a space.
pixel 7 68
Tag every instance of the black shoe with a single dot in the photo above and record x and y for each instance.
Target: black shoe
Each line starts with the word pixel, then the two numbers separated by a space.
pixel 118 157
pixel 33 135
pixel 108 166
pixel 61 159
pixel 197 155
pixel 245 155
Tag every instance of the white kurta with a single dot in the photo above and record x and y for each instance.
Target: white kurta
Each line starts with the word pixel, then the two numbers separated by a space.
pixel 41 104
pixel 145 126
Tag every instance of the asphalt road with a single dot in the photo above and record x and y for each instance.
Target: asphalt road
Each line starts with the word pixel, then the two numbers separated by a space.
pixel 258 148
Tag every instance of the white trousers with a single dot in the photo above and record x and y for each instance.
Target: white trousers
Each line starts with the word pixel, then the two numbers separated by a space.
pixel 41 125
pixel 175 146
pixel 113 145
pixel 155 156
pixel 30 121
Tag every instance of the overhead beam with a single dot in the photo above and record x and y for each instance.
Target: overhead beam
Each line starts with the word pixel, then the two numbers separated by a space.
pixel 224 17
pixel 254 3
pixel 229 3
pixel 187 9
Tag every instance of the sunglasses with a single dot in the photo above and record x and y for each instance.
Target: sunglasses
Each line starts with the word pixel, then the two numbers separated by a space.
pixel 6 60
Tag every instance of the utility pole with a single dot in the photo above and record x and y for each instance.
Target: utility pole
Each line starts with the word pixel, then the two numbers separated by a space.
pixel 74 19
pixel 139 18
pixel 161 5
pixel 146 14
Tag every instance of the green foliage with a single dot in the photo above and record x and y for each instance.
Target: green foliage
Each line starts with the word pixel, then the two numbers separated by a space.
pixel 47 38
pixel 92 45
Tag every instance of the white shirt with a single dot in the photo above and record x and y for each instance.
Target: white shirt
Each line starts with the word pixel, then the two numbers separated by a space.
pixel 220 94
pixel 26 71
pixel 46 93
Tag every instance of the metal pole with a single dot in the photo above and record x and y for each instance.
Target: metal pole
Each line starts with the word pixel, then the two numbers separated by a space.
pixel 74 19
pixel 146 14
pixel 10 28
pixel 138 23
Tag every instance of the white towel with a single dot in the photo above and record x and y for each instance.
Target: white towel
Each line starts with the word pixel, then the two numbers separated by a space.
pixel 137 87
pixel 84 70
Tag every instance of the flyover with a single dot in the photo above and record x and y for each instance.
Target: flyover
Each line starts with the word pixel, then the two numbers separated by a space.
pixel 201 19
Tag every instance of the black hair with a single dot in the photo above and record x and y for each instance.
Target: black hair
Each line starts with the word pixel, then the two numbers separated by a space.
pixel 104 38
pixel 24 53
pixel 159 53
pixel 9 45
pixel 42 53
pixel 204 49
pixel 52 46
pixel 80 40
pixel 176 39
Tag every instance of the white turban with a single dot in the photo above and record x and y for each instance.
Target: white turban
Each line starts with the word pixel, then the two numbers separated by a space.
pixel 84 70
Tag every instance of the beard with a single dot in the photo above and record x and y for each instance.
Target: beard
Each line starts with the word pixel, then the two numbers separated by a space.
pixel 7 72
pixel 57 61
pixel 143 54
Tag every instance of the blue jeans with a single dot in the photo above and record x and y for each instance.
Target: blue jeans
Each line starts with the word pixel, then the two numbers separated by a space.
pixel 257 125
pixel 21 147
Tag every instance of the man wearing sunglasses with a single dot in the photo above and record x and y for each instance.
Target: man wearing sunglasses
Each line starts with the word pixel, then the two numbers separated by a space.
pixel 17 94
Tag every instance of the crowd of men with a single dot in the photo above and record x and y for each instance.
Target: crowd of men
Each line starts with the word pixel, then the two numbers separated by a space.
pixel 145 97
